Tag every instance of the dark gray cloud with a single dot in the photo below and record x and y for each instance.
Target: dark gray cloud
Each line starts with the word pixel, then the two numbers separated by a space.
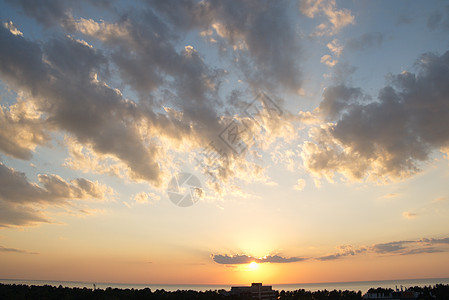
pixel 366 41
pixel 20 215
pixel 258 33
pixel 245 259
pixel 406 247
pixel 392 247
pixel 47 12
pixel 178 92
pixel 232 259
pixel 391 136
pixel 61 78
pixel 340 98
pixel 16 188
pixel 15 250
pixel 423 250
pixel 410 247
pixel 345 250
pixel 141 44
pixel 434 241
pixel 280 259
pixel 142 48
pixel 21 201
pixel 342 72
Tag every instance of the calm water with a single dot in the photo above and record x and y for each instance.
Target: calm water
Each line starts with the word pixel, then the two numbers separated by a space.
pixel 353 286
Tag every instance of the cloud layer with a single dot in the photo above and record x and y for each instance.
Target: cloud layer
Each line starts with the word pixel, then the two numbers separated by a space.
pixel 22 201
pixel 65 83
pixel 406 247
pixel 386 138
pixel 245 259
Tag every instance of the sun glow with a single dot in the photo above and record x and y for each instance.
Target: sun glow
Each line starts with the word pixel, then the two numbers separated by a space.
pixel 253 266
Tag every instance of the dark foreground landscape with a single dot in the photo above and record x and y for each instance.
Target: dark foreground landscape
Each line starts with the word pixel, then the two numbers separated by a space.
pixel 19 291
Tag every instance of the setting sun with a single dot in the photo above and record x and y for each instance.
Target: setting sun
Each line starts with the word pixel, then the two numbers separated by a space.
pixel 253 266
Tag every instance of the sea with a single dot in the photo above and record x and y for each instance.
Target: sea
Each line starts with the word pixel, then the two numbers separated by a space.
pixel 362 286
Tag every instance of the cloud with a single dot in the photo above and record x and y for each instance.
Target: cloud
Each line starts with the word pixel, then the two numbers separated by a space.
pixel 388 138
pixel 21 130
pixel 434 241
pixel 64 87
pixel 327 60
pixel 366 41
pixel 337 18
pixel 20 215
pixel 335 47
pixel 245 259
pixel 47 12
pixel 63 81
pixel 143 198
pixel 261 29
pixel 409 215
pixel 21 201
pixel 232 259
pixel 405 247
pixel 338 98
pixel 15 188
pixel 191 102
pixel 300 184
pixel 391 195
pixel 345 250
pixel 390 247
pixel 15 250
pixel 259 33
pixel 341 73
pixel 440 199
pixel 409 247
pixel 423 250
pixel 84 158
pixel 12 28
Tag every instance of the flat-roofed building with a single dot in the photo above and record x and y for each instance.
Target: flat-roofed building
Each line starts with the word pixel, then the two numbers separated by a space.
pixel 255 291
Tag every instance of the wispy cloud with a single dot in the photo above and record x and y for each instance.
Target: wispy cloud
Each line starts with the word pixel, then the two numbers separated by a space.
pixel 15 250
pixel 391 195
pixel 345 250
pixel 409 215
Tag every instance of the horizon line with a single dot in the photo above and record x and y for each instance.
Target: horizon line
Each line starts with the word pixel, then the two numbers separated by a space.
pixel 224 284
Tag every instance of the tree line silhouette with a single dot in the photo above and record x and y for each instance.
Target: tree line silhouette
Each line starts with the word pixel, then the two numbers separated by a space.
pixel 48 292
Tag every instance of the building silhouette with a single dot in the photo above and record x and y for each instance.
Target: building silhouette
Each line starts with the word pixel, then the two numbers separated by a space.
pixel 255 291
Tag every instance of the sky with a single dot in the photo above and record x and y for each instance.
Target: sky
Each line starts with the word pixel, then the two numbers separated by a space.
pixel 224 142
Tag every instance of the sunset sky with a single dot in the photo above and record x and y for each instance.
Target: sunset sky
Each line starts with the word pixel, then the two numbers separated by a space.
pixel 339 170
